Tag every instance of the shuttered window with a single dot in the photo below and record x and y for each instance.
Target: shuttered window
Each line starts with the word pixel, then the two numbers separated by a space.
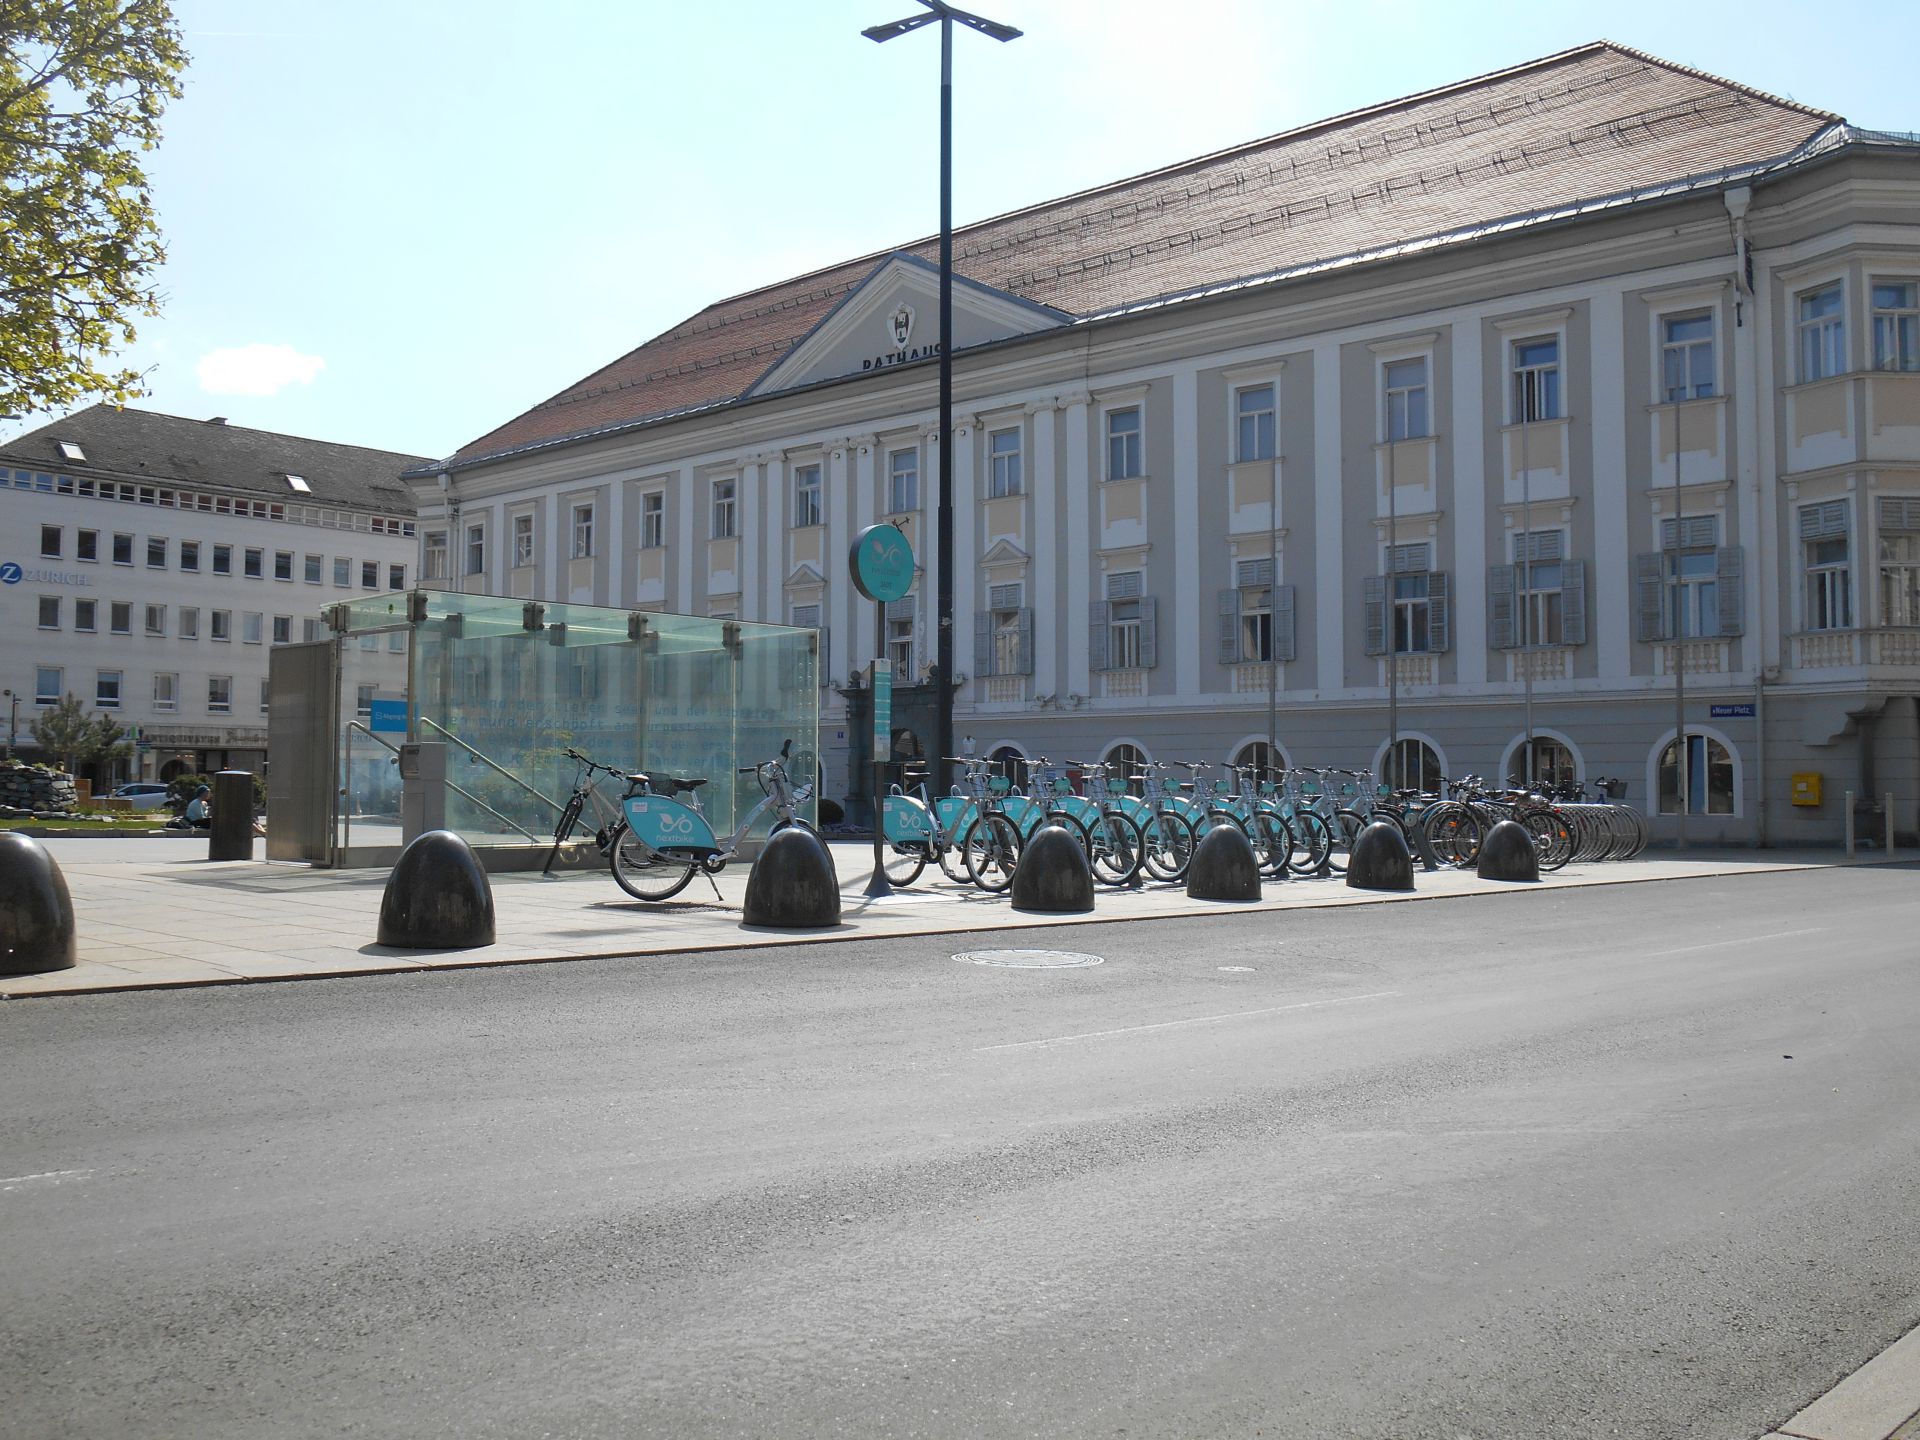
pixel 1416 601
pixel 1899 559
pixel 1122 630
pixel 1003 634
pixel 1709 599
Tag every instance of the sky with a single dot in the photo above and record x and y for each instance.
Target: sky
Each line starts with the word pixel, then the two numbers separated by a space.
pixel 400 224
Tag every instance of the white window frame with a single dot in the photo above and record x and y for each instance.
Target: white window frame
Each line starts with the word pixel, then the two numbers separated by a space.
pixel 1396 400
pixel 653 519
pixel 166 690
pixel 433 557
pixel 156 618
pixel 1132 444
pixel 1259 425
pixel 219 694
pixel 40 693
pixel 116 625
pixel 1900 324
pixel 188 622
pixel 524 527
pixel 86 616
pixel 313 568
pixel 809 497
pixel 896 475
pixel 101 700
pixel 1695 587
pixel 582 530
pixel 53 600
pixel 1897 573
pixel 1666 348
pixel 1539 611
pixel 1006 469
pixel 723 511
pixel 1527 382
pixel 1820 343
pixel 1705 733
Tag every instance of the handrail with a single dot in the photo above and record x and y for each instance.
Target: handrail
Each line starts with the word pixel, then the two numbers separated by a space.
pixel 465 794
pixel 491 764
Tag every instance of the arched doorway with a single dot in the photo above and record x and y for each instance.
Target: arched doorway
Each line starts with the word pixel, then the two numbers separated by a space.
pixel 1009 761
pixel 1710 777
pixel 1124 761
pixel 1411 764
pixel 1552 763
pixel 1267 760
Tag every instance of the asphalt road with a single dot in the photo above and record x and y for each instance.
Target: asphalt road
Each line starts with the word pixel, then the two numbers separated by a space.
pixel 1636 1161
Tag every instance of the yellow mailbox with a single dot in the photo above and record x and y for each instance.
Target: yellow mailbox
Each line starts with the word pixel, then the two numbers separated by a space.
pixel 1806 788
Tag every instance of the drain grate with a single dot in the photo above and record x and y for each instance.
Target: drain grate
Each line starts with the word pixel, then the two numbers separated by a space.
pixel 1030 959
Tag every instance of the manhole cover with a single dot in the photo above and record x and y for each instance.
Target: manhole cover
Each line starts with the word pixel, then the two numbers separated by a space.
pixel 1029 959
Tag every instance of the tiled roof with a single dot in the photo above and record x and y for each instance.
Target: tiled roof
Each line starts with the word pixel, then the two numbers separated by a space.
pixel 172 450
pixel 1596 121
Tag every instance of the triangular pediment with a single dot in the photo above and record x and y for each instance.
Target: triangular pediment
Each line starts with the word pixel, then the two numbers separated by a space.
pixel 892 318
pixel 805 574
pixel 1005 552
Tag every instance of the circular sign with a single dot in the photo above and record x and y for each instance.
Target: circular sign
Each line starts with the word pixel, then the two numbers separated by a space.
pixel 10 573
pixel 882 563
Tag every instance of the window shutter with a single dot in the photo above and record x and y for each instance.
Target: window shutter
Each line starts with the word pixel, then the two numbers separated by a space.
pixel 1825 521
pixel 1149 633
pixel 1003 597
pixel 1573 602
pixel 1440 614
pixel 1501 628
pixel 1123 585
pixel 1026 642
pixel 826 654
pixel 1283 622
pixel 1899 512
pixel 1230 627
pixel 1697 532
pixel 1729 563
pixel 1253 573
pixel 1097 623
pixel 1407 559
pixel 982 644
pixel 1546 546
pixel 1649 579
pixel 1374 604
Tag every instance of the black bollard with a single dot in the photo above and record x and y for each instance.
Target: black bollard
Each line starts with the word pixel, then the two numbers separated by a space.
pixel 1380 859
pixel 1224 866
pixel 437 897
pixel 1052 875
pixel 1509 853
pixel 793 885
pixel 230 836
pixel 36 913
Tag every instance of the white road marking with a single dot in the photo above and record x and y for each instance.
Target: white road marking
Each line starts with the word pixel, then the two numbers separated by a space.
pixel 1172 1024
pixel 47 1177
pixel 1743 940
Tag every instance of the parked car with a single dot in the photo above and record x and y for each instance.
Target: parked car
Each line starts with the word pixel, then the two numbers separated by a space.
pixel 145 794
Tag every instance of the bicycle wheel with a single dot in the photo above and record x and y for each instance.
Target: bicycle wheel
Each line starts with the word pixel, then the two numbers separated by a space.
pixel 1453 835
pixel 1344 829
pixel 565 828
pixel 645 873
pixel 1552 837
pixel 1314 842
pixel 902 862
pixel 1166 845
pixel 1272 843
pixel 1116 849
pixel 992 848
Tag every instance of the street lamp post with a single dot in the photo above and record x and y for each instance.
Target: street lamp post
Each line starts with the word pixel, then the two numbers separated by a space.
pixel 945 15
pixel 13 719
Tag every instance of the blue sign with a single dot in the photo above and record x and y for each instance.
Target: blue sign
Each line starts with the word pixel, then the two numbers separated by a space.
pixel 389 717
pixel 1731 712
pixel 10 573
pixel 881 562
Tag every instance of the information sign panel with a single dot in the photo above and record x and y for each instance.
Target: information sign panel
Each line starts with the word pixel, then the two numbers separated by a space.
pixel 882 712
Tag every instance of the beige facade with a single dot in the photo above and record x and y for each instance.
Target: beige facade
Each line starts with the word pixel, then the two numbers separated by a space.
pixel 1173 509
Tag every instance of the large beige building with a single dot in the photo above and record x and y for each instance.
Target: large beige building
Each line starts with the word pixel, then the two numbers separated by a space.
pixel 1571 383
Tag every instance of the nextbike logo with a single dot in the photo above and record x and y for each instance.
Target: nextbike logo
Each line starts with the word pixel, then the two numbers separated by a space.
pixel 672 824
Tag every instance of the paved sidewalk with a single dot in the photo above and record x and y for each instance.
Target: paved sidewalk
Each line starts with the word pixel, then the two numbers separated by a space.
pixel 154 914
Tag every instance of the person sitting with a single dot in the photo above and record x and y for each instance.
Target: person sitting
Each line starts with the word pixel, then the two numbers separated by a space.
pixel 200 808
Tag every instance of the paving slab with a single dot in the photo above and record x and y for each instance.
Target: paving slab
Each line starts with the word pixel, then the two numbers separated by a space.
pixel 148 916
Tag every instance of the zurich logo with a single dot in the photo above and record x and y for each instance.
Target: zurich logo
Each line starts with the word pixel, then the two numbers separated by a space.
pixel 10 573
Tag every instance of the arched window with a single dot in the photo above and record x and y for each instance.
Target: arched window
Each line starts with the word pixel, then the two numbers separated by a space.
pixel 1123 763
pixel 1411 765
pixel 1709 778
pixel 1553 764
pixel 1266 760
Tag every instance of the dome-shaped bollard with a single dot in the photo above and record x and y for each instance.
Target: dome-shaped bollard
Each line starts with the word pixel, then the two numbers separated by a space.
pixel 36 913
pixel 437 897
pixel 1380 859
pixel 1052 875
pixel 793 885
pixel 1508 853
pixel 1224 866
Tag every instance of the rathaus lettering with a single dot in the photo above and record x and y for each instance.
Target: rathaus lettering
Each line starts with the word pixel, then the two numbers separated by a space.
pixel 901 357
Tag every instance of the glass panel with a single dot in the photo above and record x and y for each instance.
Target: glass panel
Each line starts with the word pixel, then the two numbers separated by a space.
pixel 692 697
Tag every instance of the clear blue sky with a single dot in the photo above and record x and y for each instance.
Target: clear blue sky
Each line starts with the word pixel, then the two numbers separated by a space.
pixel 435 214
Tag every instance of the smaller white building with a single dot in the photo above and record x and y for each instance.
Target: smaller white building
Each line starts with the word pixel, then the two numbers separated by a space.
pixel 148 562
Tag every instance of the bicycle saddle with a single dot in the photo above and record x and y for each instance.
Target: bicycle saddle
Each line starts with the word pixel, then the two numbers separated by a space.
pixel 674 787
